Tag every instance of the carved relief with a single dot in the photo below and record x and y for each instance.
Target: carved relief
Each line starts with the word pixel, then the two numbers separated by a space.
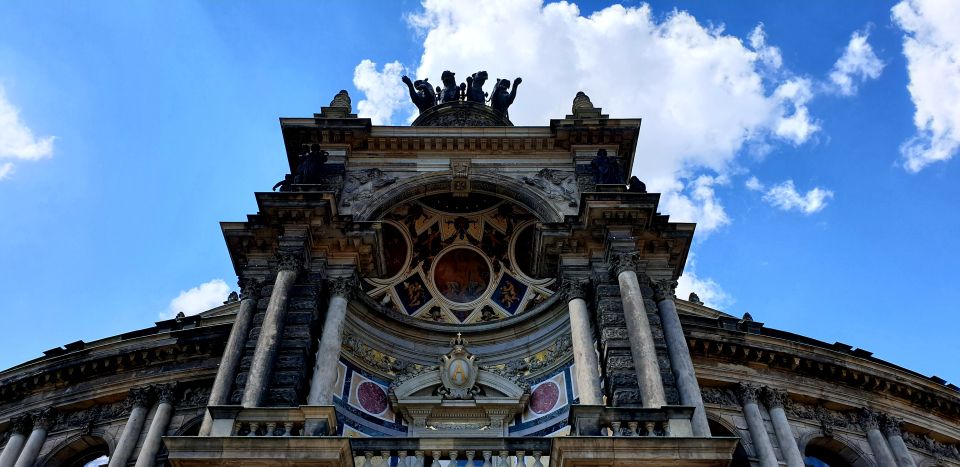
pixel 622 262
pixel 574 288
pixel 361 185
pixel 555 184
pixel 459 371
pixel 664 289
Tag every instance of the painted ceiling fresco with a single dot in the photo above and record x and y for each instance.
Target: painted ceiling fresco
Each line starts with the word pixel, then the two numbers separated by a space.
pixel 458 260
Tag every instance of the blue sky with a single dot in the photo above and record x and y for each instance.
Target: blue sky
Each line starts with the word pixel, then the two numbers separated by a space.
pixel 824 207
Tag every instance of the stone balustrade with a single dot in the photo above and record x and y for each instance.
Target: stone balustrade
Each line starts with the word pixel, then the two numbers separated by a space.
pixel 594 420
pixel 234 420
pixel 477 452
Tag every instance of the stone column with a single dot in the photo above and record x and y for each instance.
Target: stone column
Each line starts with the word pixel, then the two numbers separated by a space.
pixel 328 352
pixel 638 329
pixel 758 431
pixel 870 421
pixel 232 353
pixel 138 399
pixel 158 427
pixel 788 444
pixel 19 428
pixel 270 331
pixel 680 360
pixel 584 354
pixel 891 428
pixel 42 421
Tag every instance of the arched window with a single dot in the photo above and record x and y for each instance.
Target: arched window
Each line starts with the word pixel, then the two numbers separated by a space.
pixel 828 452
pixel 740 458
pixel 83 451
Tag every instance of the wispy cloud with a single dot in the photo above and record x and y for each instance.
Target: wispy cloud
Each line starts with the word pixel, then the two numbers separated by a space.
pixel 383 91
pixel 17 140
pixel 198 299
pixel 857 64
pixel 785 196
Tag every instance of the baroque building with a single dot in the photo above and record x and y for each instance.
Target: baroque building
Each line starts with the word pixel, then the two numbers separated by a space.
pixel 467 290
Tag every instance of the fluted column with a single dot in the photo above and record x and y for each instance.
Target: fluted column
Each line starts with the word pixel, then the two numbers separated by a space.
pixel 638 329
pixel 680 360
pixel 758 431
pixel 19 428
pixel 870 421
pixel 232 353
pixel 42 421
pixel 270 331
pixel 158 427
pixel 788 444
pixel 891 428
pixel 581 334
pixel 328 352
pixel 139 400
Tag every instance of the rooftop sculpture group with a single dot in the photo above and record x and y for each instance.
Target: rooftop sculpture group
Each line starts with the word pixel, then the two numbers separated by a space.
pixel 424 96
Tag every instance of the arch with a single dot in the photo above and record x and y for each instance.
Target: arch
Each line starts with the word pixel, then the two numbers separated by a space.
pixel 436 183
pixel 77 450
pixel 190 427
pixel 835 451
pixel 720 427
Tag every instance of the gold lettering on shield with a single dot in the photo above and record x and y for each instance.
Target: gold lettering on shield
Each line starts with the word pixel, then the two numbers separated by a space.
pixel 459 376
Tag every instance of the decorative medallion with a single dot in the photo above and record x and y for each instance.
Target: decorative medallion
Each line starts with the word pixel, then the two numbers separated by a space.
pixel 458 371
pixel 544 398
pixel 461 275
pixel 372 398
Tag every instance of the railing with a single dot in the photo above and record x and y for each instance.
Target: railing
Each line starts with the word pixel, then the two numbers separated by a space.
pixel 423 452
pixel 232 420
pixel 594 420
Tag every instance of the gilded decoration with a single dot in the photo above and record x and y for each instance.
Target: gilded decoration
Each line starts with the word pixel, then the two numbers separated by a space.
pixel 458 259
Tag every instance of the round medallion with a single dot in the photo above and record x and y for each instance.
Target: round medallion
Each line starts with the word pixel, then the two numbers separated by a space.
pixel 459 372
pixel 372 398
pixel 461 275
pixel 544 397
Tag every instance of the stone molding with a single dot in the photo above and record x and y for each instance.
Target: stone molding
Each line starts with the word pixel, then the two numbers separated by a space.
pixel 574 288
pixel 748 393
pixel 623 262
pixel 869 419
pixel 289 261
pixel 249 288
pixel 44 418
pixel 341 286
pixel 166 393
pixel 773 397
pixel 664 289
pixel 138 397
pixel 21 424
pixel 891 426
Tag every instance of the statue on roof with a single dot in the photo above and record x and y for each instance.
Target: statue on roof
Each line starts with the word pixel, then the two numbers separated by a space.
pixel 475 83
pixel 421 93
pixel 451 91
pixel 606 170
pixel 502 97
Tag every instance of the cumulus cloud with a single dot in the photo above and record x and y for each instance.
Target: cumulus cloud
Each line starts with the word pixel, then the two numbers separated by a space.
pixel 17 140
pixel 931 45
pixel 710 293
pixel 786 197
pixel 383 91
pixel 198 299
pixel 857 64
pixel 703 94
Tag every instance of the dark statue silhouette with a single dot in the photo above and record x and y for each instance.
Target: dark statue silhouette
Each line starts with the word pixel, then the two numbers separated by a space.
pixel 310 169
pixel 425 97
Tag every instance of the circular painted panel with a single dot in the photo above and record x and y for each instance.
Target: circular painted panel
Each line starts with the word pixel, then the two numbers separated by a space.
pixel 544 397
pixel 394 249
pixel 371 397
pixel 461 275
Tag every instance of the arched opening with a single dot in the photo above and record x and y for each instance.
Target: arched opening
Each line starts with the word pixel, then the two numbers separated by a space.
pixel 83 451
pixel 830 452
pixel 740 458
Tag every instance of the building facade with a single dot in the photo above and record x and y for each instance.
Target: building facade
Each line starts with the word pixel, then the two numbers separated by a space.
pixel 463 289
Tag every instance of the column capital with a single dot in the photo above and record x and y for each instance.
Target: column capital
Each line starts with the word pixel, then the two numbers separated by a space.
pixel 138 397
pixel 622 262
pixel 869 419
pixel 773 397
pixel 249 288
pixel 574 288
pixel 748 393
pixel 166 393
pixel 289 261
pixel 891 426
pixel 341 286
pixel 664 289
pixel 21 424
pixel 44 418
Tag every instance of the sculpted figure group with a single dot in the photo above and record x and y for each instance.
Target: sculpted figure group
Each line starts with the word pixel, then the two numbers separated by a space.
pixel 424 96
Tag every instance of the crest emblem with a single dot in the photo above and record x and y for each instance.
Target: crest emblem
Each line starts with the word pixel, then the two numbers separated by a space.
pixel 458 371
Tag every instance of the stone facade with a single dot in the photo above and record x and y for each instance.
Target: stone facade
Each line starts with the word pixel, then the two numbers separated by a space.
pixel 519 256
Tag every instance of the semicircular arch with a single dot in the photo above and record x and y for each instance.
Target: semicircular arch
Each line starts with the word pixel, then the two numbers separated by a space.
pixel 77 450
pixel 836 445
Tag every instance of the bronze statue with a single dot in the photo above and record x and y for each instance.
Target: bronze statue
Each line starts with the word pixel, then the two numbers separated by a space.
pixel 606 170
pixel 502 98
pixel 451 92
pixel 475 87
pixel 421 93
pixel 310 169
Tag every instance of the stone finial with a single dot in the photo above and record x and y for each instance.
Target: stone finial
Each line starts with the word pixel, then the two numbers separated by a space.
pixel 249 288
pixel 341 286
pixel 664 289
pixel 747 318
pixel 138 397
pixel 289 261
pixel 891 426
pixel 869 419
pixel 748 393
pixel 623 262
pixel 574 288
pixel 581 102
pixel 44 418
pixel 694 298
pixel 773 397
pixel 342 101
pixel 166 393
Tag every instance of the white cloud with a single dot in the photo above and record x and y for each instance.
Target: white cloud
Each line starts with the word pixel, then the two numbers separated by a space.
pixel 786 197
pixel 709 292
pixel 383 91
pixel 198 299
pixel 932 47
pixel 703 94
pixel 17 140
pixel 753 184
pixel 857 64
pixel 697 200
